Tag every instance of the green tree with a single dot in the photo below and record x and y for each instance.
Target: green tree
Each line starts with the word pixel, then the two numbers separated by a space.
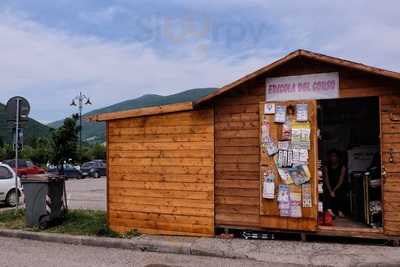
pixel 64 143
pixel 2 153
pixel 27 152
pixel 41 151
pixel 93 151
pixel 86 154
pixel 98 151
pixel 6 152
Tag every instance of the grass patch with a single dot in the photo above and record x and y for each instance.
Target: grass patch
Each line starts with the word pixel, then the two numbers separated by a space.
pixel 80 222
pixel 76 222
pixel 11 220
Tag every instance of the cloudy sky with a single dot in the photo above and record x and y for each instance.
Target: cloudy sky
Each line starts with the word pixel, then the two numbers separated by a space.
pixel 116 50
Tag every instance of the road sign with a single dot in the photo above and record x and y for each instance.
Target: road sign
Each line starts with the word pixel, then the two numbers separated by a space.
pixel 24 108
pixel 18 109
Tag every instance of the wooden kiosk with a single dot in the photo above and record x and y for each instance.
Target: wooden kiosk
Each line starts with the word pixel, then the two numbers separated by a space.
pixel 188 168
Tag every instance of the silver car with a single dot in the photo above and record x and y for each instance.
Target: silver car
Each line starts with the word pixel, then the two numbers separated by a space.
pixel 8 193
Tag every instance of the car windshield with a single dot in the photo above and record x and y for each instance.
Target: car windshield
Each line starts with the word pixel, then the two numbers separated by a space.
pixel 87 165
pixel 11 163
pixel 70 167
pixel 5 173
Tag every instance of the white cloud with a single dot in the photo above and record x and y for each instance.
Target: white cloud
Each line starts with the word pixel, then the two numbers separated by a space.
pixel 50 67
pixel 361 30
pixel 103 15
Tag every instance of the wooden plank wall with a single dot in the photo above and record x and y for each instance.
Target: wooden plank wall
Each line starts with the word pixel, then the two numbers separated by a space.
pixel 237 156
pixel 390 132
pixel 161 174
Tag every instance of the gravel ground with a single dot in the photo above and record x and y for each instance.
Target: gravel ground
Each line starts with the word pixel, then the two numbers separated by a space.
pixel 87 193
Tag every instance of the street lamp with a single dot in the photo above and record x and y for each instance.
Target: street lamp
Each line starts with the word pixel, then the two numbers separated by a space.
pixel 82 100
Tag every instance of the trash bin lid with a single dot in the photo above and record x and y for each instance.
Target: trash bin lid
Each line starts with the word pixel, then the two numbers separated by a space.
pixel 42 178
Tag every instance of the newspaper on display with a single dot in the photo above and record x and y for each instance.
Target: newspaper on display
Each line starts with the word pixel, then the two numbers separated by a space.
pixel 291 186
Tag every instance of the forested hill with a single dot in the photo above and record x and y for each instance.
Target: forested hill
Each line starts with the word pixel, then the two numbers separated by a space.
pixel 95 131
pixel 32 128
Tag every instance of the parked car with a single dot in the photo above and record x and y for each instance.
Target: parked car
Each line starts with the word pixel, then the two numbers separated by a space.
pixel 94 168
pixel 8 194
pixel 70 171
pixel 25 167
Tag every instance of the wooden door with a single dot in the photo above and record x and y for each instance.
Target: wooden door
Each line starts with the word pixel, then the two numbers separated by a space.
pixel 270 216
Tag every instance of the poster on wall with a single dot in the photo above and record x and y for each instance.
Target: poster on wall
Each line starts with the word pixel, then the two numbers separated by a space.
pixel 269 108
pixel 301 87
pixel 302 112
pixel 280 114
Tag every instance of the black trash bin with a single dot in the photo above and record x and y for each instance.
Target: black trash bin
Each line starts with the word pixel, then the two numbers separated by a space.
pixel 45 199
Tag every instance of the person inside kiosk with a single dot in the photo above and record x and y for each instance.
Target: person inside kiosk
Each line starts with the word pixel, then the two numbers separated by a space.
pixel 349 150
pixel 334 180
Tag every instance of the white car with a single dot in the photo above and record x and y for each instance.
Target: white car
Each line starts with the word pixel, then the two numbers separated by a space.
pixel 7 185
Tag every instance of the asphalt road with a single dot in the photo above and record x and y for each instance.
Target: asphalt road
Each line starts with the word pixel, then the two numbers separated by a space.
pixel 21 253
pixel 87 193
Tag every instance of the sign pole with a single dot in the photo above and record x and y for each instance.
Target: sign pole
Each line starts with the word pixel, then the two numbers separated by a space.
pixel 16 154
pixel 17 109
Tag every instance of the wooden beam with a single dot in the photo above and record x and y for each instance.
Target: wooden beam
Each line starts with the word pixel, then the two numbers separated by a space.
pixel 184 106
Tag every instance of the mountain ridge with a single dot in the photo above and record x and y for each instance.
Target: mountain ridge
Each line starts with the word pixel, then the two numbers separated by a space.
pixel 96 131
pixel 32 128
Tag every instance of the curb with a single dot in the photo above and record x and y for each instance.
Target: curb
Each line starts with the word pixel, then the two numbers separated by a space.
pixel 142 243
pixel 160 246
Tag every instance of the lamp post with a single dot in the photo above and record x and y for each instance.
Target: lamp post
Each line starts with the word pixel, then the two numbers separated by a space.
pixel 82 100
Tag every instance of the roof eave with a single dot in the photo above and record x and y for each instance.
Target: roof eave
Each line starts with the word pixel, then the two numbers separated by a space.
pixel 295 54
pixel 148 111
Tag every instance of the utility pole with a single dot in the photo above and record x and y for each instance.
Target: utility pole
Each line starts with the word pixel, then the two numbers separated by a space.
pixel 82 100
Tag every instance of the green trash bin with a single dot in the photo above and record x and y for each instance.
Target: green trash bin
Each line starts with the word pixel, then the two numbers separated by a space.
pixel 45 199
